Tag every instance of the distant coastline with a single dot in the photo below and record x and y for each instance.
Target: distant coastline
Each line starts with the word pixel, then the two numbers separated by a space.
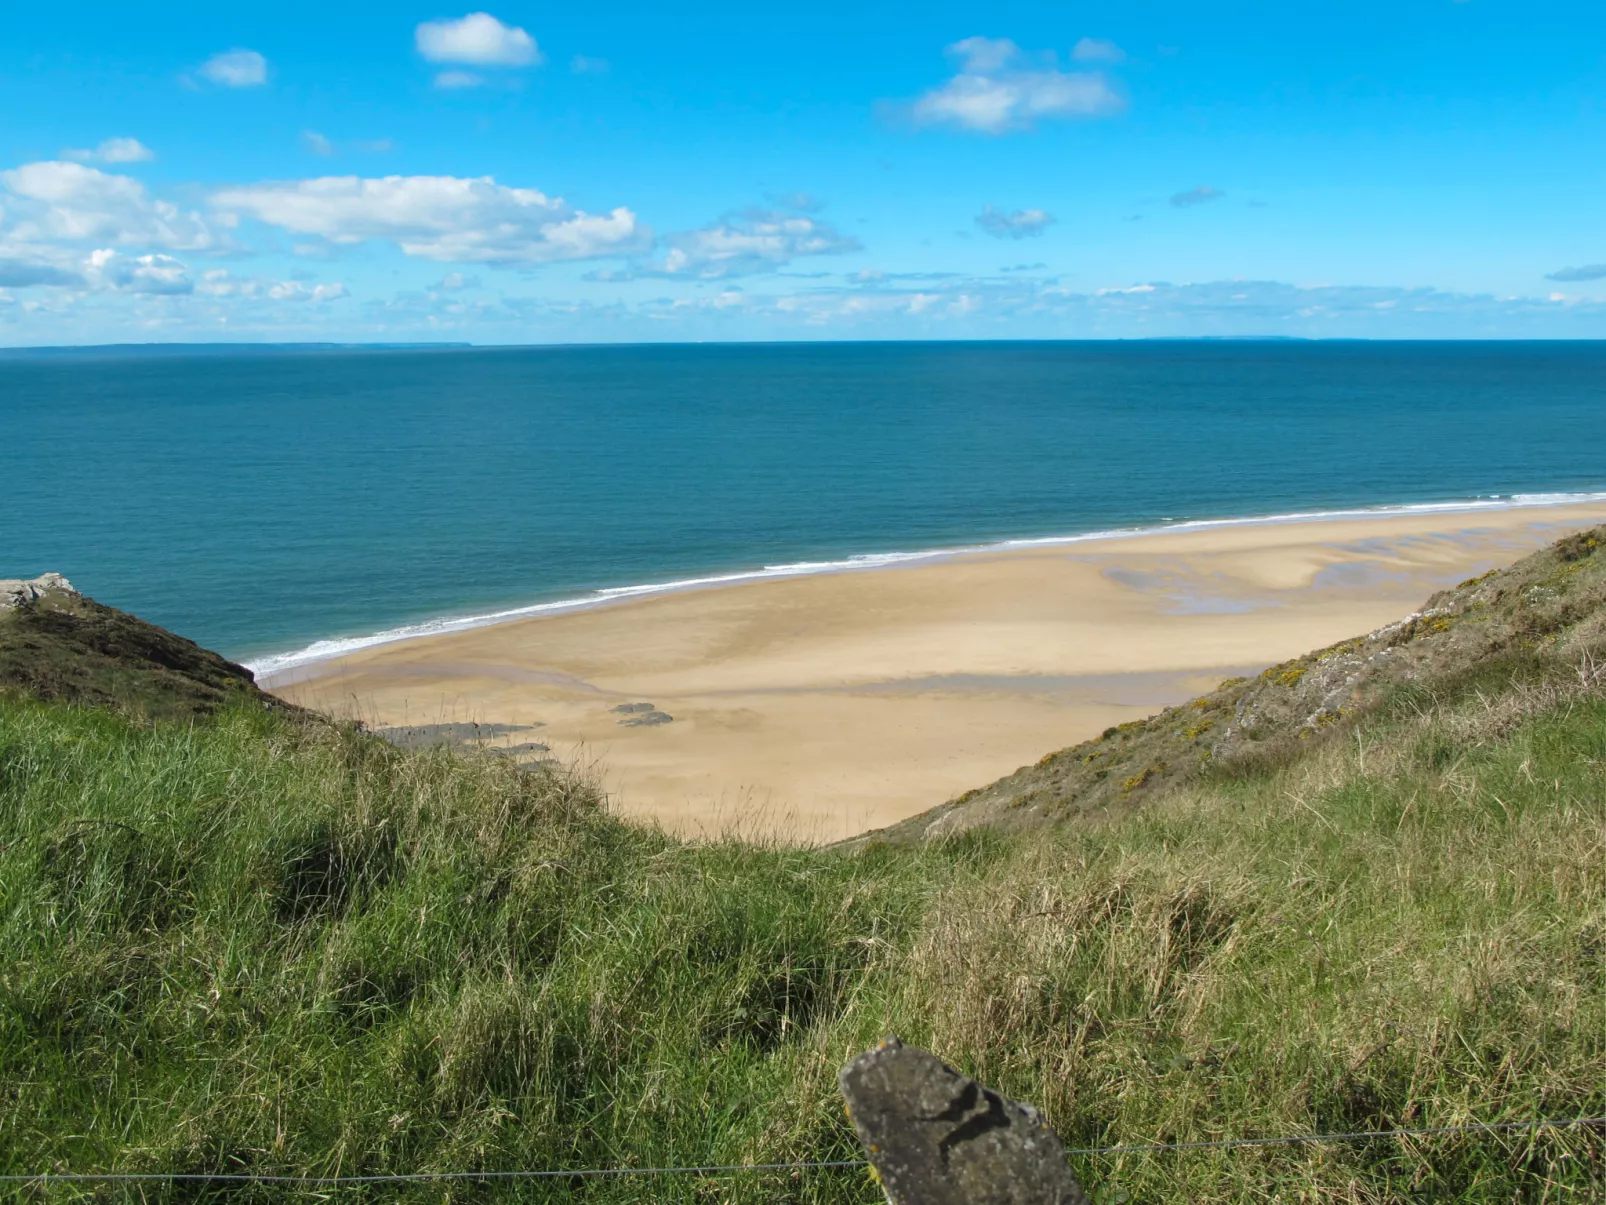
pixel 328 649
pixel 244 347
pixel 131 350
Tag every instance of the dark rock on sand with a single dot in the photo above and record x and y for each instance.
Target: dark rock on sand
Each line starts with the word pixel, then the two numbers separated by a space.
pixel 646 719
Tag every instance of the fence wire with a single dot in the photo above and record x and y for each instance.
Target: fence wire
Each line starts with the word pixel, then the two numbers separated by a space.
pixel 730 1169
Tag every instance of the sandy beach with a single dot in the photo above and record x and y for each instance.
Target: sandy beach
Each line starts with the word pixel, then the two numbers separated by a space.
pixel 812 708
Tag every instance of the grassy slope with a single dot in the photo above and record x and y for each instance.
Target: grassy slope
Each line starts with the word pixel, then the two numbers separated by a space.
pixel 258 943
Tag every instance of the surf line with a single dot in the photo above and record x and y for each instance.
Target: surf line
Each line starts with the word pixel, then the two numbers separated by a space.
pixel 325 650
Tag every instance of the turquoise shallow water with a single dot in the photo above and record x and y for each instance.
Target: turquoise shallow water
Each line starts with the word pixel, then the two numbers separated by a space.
pixel 259 501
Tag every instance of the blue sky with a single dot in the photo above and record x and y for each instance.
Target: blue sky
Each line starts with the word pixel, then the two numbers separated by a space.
pixel 534 173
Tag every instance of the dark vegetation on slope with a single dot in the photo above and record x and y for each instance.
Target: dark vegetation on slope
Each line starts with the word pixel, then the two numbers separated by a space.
pixel 244 942
pixel 67 648
pixel 1546 606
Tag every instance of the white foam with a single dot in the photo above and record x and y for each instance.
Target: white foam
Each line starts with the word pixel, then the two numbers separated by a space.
pixel 324 650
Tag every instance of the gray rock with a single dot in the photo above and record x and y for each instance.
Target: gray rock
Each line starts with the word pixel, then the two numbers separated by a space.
pixel 646 719
pixel 936 1137
pixel 632 708
pixel 14 591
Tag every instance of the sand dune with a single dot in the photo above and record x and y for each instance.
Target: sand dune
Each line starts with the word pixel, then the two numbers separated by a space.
pixel 812 708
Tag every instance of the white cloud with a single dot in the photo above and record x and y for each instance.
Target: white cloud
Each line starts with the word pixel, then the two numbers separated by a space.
pixel 452 80
pixel 113 150
pixel 1097 50
pixel 997 89
pixel 1202 195
pixel 295 290
pixel 157 275
pixel 1023 223
pixel 453 281
pixel 756 241
pixel 478 39
pixel 236 69
pixel 984 56
pixel 317 143
pixel 68 226
pixel 219 282
pixel 444 218
pixel 223 284
pixel 68 202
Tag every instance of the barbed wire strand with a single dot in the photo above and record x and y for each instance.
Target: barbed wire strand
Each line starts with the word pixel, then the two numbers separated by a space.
pixel 722 1169
pixel 1351 1136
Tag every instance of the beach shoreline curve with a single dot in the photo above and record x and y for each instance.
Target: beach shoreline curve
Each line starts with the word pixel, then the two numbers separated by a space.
pixel 266 667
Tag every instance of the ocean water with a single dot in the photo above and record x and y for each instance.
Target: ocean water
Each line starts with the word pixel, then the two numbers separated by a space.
pixel 264 501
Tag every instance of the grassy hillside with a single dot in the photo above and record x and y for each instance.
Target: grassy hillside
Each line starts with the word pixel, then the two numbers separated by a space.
pixel 251 942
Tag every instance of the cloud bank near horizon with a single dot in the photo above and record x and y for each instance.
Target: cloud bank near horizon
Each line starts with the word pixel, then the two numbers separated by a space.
pixel 162 294
pixel 88 245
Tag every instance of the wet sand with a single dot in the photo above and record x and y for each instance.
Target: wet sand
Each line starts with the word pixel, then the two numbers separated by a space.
pixel 813 708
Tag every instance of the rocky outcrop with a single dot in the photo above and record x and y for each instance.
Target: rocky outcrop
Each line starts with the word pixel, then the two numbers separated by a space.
pixel 58 645
pixel 647 719
pixel 936 1137
pixel 14 591
pixel 640 715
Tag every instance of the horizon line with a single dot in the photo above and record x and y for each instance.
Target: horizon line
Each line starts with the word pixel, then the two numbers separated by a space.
pixel 158 347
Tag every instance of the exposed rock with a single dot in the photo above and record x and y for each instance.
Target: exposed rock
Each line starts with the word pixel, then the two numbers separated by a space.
pixel 936 1137
pixel 632 708
pixel 646 719
pixel 14 591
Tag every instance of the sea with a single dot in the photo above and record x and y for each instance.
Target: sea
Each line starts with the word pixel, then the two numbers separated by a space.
pixel 284 504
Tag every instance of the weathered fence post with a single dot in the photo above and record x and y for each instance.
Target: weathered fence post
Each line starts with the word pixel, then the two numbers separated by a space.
pixel 936 1137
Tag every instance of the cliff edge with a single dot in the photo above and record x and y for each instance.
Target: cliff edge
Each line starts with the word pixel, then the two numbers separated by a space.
pixel 59 646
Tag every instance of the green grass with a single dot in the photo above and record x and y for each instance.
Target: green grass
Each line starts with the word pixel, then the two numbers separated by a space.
pixel 255 944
